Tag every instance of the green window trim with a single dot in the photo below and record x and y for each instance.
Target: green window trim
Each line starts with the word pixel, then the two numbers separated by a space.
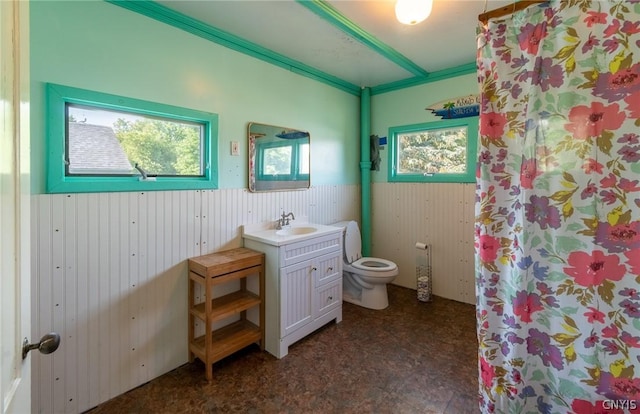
pixel 58 96
pixel 469 176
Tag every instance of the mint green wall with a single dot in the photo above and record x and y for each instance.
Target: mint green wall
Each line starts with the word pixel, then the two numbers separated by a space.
pixel 407 106
pixel 99 46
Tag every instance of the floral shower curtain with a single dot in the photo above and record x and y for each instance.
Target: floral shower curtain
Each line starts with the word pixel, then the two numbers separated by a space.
pixel 558 209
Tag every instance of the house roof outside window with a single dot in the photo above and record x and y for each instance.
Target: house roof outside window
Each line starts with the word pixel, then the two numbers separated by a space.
pixel 95 149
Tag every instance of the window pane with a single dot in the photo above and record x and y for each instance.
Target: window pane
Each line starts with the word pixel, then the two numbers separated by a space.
pixel 108 142
pixel 304 159
pixel 439 151
pixel 277 160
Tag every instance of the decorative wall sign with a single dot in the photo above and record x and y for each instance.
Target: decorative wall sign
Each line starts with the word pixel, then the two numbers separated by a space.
pixel 461 107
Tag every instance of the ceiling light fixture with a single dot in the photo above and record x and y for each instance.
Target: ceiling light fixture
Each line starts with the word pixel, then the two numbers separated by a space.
pixel 413 11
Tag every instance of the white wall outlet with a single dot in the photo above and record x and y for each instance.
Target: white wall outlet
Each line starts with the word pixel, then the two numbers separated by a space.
pixel 235 148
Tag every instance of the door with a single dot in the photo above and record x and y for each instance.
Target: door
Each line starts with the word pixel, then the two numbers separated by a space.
pixel 296 284
pixel 15 380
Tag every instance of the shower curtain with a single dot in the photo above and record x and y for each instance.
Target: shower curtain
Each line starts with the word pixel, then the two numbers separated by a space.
pixel 558 209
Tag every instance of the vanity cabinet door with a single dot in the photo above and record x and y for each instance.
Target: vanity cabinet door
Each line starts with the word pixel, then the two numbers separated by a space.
pixel 296 301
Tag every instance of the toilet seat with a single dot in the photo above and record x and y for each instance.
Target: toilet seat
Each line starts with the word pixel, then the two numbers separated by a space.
pixel 355 263
pixel 374 264
pixel 388 270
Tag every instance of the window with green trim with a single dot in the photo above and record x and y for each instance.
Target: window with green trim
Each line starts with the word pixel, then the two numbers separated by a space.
pixel 102 142
pixel 283 160
pixel 443 151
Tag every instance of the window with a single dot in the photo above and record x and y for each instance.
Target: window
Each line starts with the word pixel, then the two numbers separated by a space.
pixel 102 142
pixel 443 151
pixel 283 160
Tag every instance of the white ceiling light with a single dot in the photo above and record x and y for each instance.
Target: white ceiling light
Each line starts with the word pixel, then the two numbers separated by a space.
pixel 413 11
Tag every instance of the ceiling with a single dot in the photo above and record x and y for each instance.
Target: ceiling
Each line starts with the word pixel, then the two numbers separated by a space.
pixel 345 43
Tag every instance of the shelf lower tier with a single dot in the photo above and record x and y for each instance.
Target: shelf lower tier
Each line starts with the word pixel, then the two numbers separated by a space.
pixel 226 341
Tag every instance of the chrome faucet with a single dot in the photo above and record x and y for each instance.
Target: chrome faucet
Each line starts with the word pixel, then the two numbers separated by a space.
pixel 284 220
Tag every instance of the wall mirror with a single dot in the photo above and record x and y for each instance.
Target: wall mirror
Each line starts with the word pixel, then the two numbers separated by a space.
pixel 278 158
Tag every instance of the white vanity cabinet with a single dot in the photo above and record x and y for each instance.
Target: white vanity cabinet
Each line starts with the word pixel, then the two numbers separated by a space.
pixel 303 285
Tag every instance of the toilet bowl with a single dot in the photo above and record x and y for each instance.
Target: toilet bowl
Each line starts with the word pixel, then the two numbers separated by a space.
pixel 365 279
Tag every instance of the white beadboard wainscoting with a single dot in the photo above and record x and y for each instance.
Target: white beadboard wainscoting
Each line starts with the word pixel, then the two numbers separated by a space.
pixel 110 276
pixel 439 214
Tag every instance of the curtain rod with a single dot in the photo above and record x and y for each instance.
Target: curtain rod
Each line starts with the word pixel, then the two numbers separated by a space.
pixel 506 10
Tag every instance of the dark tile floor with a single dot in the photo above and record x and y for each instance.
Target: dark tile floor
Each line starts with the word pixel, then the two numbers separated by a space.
pixel 412 357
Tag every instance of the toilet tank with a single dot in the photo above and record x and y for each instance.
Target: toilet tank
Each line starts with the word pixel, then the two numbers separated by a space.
pixel 341 224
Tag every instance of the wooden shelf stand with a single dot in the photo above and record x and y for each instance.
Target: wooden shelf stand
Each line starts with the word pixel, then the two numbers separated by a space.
pixel 213 270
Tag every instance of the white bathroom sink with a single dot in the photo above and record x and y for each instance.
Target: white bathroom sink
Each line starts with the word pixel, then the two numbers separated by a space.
pixel 292 231
pixel 297 231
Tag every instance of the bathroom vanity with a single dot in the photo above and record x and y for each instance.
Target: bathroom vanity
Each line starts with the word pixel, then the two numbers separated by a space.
pixel 303 280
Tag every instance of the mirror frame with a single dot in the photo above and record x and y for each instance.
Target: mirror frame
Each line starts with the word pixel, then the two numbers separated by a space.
pixel 272 135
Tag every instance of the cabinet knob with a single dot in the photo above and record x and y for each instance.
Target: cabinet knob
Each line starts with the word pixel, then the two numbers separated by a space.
pixel 329 298
pixel 329 269
pixel 314 268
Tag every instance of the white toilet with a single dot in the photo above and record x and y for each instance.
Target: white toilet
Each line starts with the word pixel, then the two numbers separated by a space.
pixel 365 279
